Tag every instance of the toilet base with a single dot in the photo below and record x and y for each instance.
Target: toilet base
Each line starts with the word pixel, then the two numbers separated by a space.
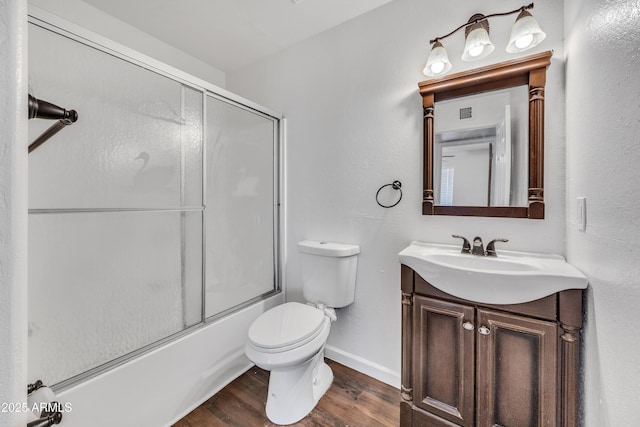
pixel 295 391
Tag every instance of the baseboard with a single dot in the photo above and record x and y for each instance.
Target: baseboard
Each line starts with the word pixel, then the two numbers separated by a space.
pixel 365 366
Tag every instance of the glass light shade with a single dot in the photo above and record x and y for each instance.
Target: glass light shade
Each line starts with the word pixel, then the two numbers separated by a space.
pixel 438 61
pixel 477 45
pixel 525 33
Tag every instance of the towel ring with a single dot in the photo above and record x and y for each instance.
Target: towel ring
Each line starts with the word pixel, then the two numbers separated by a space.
pixel 396 185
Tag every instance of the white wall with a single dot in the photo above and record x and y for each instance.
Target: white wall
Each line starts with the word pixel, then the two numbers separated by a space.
pixel 89 17
pixel 13 208
pixel 603 57
pixel 355 123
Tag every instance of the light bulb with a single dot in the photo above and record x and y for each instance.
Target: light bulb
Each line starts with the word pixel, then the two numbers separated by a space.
pixel 476 50
pixel 437 67
pixel 524 41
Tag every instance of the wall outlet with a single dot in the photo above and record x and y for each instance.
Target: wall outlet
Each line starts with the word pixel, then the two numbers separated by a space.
pixel 581 213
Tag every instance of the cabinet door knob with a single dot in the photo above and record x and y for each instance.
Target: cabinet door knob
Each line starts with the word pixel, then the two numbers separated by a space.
pixel 468 326
pixel 484 330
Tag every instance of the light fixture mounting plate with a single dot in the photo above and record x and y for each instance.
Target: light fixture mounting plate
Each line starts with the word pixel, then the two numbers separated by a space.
pixel 479 17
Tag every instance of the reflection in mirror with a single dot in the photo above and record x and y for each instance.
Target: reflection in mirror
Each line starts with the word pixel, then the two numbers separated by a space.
pixel 481 149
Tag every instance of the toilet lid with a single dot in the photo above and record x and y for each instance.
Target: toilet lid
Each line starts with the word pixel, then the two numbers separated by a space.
pixel 285 325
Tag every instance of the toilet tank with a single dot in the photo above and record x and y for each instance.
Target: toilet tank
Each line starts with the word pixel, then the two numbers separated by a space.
pixel 328 272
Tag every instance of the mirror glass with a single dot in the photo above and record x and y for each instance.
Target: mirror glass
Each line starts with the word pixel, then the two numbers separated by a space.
pixel 481 149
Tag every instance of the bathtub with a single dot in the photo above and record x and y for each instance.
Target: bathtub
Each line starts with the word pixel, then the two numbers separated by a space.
pixel 162 386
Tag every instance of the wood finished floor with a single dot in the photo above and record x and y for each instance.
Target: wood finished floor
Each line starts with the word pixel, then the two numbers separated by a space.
pixel 353 400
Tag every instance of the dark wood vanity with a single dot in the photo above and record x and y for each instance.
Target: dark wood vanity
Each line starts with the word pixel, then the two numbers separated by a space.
pixel 472 364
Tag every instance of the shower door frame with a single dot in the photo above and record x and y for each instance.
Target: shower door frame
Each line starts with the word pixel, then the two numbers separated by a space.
pixel 62 27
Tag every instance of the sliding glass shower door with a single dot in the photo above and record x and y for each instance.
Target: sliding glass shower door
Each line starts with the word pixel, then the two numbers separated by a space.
pixel 240 204
pixel 156 210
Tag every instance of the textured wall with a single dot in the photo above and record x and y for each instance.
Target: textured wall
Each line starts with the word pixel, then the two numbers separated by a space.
pixel 13 208
pixel 603 93
pixel 355 123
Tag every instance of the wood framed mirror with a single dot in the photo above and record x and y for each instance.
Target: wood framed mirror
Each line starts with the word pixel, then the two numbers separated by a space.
pixel 484 140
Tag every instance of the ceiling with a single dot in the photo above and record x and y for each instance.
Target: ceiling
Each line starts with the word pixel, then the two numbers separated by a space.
pixel 230 34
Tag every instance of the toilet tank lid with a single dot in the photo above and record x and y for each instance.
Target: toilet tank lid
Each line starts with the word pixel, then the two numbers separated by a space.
pixel 327 248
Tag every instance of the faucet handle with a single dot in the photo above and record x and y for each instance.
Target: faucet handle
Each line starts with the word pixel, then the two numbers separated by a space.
pixel 491 247
pixel 466 246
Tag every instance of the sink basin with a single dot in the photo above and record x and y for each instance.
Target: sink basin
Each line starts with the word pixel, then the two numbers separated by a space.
pixel 510 278
pixel 457 260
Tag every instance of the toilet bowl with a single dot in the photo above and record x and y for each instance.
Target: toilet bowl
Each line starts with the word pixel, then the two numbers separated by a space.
pixel 289 341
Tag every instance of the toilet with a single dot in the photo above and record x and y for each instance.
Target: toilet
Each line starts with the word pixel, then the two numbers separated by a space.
pixel 289 339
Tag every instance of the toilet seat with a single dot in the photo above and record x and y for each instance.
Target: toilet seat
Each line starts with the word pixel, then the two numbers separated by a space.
pixel 285 327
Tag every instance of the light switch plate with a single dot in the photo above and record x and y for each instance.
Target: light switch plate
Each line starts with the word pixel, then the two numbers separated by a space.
pixel 581 213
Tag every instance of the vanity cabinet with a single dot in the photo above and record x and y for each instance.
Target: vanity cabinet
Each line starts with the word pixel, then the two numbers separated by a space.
pixel 472 364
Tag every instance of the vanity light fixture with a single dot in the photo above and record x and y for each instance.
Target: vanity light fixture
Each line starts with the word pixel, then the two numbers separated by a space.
pixel 525 34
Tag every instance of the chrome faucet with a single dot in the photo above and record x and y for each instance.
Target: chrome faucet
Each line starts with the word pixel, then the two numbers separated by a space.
pixel 491 247
pixel 466 246
pixel 478 248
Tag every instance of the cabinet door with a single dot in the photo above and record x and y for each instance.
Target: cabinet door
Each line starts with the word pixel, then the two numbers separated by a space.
pixel 443 361
pixel 517 383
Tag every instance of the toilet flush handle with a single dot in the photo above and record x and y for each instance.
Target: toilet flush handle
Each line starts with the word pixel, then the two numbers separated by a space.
pixel 328 311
